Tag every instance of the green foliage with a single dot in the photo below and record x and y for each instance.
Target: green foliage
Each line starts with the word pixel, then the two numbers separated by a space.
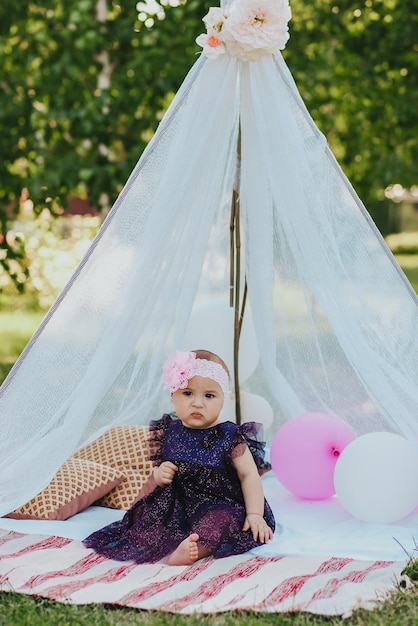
pixel 53 247
pixel 80 96
pixel 355 62
pixel 411 570
pixel 67 128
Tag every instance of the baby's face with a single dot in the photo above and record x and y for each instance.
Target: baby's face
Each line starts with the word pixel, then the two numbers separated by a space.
pixel 200 403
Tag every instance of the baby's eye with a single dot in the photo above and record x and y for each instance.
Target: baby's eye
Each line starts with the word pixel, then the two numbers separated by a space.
pixel 187 393
pixel 210 395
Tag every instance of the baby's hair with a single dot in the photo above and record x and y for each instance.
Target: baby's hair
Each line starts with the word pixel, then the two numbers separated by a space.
pixel 211 356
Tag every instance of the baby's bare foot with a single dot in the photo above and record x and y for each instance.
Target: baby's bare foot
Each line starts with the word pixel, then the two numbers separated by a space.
pixel 186 552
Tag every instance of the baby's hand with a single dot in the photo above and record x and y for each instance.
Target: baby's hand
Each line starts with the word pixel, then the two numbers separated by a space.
pixel 259 528
pixel 164 473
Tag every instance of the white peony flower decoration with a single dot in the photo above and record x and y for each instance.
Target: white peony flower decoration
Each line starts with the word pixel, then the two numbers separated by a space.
pixel 247 29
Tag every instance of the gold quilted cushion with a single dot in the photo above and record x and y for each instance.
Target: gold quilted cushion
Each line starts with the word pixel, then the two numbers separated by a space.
pixel 125 494
pixel 76 485
pixel 125 447
pixel 122 446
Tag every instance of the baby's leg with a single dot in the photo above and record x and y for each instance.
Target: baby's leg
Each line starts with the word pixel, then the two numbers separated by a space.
pixel 187 552
pixel 217 526
pixel 210 530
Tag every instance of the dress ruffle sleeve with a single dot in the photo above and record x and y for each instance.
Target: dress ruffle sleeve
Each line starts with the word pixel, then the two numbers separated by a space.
pixel 158 431
pixel 247 435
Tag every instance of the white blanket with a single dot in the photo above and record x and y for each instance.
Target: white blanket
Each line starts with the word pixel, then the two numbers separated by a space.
pixel 64 570
pixel 304 528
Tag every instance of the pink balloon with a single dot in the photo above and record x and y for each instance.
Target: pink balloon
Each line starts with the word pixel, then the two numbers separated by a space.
pixel 305 451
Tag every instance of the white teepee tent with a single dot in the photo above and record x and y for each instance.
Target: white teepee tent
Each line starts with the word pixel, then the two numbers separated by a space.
pixel 334 318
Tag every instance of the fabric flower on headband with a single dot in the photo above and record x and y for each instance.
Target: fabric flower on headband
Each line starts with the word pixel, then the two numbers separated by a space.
pixel 178 370
pixel 247 29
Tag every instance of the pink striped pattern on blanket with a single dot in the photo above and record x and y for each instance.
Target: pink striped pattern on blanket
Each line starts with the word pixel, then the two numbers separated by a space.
pixel 65 571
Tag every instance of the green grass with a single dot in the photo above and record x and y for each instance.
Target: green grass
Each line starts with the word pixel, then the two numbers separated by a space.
pixel 16 328
pixel 20 610
pixel 409 264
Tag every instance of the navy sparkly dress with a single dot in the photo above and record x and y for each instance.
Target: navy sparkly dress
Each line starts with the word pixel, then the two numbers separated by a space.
pixel 205 496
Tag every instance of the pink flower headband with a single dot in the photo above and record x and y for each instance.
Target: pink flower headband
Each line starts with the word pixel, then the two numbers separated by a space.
pixel 178 370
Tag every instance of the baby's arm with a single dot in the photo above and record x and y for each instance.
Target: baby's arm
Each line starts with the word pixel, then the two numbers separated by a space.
pixel 164 473
pixel 155 480
pixel 253 493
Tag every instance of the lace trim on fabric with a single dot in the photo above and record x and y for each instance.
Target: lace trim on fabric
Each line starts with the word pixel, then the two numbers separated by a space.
pixel 158 430
pixel 180 368
pixel 247 434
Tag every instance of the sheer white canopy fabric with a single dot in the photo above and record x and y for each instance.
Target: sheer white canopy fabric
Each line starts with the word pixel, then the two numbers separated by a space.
pixel 334 318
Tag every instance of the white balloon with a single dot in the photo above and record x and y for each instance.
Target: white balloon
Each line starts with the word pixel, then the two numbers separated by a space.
pixel 211 327
pixel 253 409
pixel 376 477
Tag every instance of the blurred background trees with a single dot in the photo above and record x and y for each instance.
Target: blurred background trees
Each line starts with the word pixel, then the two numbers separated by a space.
pixel 356 65
pixel 84 83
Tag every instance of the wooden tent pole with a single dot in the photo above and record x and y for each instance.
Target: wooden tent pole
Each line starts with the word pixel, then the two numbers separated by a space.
pixel 235 278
